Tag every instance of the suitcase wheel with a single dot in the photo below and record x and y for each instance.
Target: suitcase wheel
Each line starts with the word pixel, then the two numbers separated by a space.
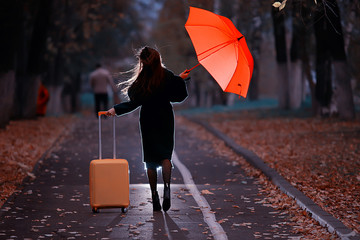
pixel 123 210
pixel 95 210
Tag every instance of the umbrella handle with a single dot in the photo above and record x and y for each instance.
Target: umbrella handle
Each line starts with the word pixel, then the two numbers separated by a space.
pixel 193 67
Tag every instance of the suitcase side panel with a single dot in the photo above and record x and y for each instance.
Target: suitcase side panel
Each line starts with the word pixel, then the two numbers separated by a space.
pixel 109 183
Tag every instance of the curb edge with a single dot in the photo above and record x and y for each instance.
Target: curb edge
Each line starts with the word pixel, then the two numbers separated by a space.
pixel 316 212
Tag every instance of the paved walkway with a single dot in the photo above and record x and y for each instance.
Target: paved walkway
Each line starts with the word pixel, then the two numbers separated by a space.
pixel 56 204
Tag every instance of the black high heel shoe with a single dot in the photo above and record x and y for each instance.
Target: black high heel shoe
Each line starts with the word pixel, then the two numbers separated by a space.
pixel 166 201
pixel 156 202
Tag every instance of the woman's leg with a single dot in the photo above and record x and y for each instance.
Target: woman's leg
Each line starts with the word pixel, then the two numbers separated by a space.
pixel 97 103
pixel 152 177
pixel 166 172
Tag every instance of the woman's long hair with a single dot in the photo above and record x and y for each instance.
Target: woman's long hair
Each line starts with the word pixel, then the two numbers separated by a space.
pixel 147 74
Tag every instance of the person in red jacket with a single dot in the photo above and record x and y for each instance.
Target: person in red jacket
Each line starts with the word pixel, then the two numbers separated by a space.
pixel 42 100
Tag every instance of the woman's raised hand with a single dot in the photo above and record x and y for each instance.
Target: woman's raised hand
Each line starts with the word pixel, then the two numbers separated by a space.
pixel 184 74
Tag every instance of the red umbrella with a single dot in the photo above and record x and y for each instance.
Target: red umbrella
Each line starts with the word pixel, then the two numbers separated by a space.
pixel 221 49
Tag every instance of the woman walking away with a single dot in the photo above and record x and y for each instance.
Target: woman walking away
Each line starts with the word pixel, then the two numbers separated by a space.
pixel 154 88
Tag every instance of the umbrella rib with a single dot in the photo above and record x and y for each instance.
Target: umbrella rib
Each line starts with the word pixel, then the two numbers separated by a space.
pixel 226 25
pixel 224 43
pixel 224 32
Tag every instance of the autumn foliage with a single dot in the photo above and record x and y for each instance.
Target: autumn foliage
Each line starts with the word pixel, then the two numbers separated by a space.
pixel 320 157
pixel 22 144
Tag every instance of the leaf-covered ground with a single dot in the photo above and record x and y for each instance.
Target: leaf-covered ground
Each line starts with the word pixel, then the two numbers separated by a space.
pixel 299 220
pixel 320 157
pixel 22 144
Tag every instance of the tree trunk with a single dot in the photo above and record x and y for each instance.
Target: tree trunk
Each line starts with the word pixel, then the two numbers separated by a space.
pixel 343 91
pixel 295 85
pixel 10 16
pixel 330 49
pixel 10 25
pixel 7 90
pixel 39 36
pixel 323 88
pixel 230 97
pixel 255 37
pixel 54 106
pixel 29 65
pixel 281 57
pixel 306 20
pixel 217 94
pixel 298 39
pixel 306 67
pixel 35 62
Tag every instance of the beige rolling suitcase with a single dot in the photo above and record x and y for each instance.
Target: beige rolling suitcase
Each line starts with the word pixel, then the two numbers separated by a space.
pixel 108 179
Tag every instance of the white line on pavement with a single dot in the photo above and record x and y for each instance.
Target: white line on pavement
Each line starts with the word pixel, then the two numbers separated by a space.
pixel 209 217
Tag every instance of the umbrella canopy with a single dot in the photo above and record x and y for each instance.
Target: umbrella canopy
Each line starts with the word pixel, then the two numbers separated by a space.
pixel 221 49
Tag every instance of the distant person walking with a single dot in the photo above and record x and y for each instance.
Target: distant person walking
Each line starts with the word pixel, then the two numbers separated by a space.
pixel 153 87
pixel 100 79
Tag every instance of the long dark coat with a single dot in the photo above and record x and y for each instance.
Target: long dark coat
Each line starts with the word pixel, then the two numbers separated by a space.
pixel 157 117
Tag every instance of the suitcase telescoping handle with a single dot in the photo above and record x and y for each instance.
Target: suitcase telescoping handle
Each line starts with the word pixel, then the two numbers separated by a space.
pixel 100 143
